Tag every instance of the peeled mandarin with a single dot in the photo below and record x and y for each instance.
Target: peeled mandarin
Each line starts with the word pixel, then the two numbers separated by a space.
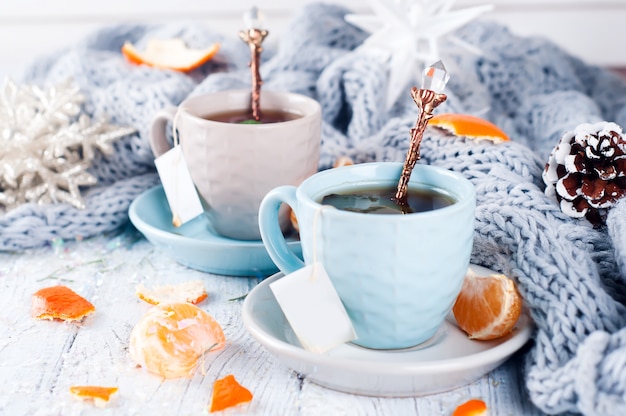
pixel 169 54
pixel 488 307
pixel 171 337
pixel 465 125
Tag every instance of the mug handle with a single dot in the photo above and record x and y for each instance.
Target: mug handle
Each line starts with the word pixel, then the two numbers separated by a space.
pixel 269 226
pixel 158 138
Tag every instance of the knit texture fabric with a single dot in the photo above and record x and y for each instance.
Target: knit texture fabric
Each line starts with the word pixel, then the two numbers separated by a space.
pixel 570 274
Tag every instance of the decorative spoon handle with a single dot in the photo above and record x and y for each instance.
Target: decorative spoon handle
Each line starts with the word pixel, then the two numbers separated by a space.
pixel 427 101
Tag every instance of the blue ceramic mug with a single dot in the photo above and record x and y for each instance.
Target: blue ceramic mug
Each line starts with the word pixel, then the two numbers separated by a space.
pixel 397 275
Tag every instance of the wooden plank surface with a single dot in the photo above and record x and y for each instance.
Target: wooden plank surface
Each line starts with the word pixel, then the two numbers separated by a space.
pixel 40 360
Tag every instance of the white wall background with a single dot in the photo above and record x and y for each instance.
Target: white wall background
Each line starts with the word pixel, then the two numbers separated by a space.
pixel 594 30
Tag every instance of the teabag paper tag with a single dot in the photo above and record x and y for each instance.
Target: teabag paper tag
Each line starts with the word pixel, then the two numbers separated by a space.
pixel 180 191
pixel 313 308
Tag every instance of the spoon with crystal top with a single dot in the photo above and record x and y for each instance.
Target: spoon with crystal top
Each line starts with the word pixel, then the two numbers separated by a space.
pixel 427 98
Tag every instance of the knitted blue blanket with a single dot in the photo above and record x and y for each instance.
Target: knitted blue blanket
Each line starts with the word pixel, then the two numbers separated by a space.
pixel 570 274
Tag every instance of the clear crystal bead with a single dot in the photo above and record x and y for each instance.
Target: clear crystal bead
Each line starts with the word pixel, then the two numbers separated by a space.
pixel 435 77
pixel 253 19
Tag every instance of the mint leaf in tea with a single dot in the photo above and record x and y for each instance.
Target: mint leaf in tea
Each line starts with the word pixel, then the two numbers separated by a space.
pixel 245 117
pixel 381 200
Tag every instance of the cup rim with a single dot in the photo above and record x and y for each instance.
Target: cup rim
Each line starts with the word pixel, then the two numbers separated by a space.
pixel 313 106
pixel 466 197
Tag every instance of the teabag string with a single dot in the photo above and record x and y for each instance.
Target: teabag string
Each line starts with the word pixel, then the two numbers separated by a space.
pixel 316 218
pixel 175 128
pixel 176 221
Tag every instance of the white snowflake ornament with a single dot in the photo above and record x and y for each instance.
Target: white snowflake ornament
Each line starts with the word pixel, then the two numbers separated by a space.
pixel 405 35
pixel 47 145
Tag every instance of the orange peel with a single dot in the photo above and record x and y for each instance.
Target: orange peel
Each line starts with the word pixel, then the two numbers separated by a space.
pixel 488 307
pixel 171 337
pixel 100 395
pixel 343 161
pixel 60 302
pixel 227 392
pixel 465 125
pixel 169 54
pixel 473 407
pixel 192 291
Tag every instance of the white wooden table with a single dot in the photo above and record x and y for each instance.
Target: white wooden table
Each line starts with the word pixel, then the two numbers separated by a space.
pixel 40 360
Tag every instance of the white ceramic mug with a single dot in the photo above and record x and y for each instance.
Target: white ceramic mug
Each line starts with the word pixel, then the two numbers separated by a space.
pixel 234 165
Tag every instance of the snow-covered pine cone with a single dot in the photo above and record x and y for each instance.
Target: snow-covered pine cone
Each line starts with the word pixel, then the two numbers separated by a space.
pixel 586 171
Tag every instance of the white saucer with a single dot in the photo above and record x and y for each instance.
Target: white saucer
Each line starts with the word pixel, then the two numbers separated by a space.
pixel 196 244
pixel 446 361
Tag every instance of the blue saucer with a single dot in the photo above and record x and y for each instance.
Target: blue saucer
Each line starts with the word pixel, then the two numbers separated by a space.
pixel 195 244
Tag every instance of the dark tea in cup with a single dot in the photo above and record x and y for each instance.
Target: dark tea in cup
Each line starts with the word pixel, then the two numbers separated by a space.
pixel 245 116
pixel 381 200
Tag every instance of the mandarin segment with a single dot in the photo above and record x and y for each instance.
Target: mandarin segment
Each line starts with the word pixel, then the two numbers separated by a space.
pixel 465 125
pixel 473 407
pixel 487 307
pixel 100 395
pixel 227 392
pixel 192 291
pixel 60 302
pixel 171 337
pixel 169 54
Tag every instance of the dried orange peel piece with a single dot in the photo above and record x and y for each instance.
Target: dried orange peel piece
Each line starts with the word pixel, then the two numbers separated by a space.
pixel 488 307
pixel 227 392
pixel 192 291
pixel 169 54
pixel 473 407
pixel 99 395
pixel 170 339
pixel 465 125
pixel 60 302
